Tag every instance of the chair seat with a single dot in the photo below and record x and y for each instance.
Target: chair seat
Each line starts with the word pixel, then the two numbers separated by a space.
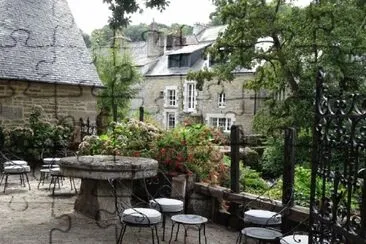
pixel 15 162
pixel 51 160
pixel 167 205
pixel 141 216
pixel 48 166
pixel 262 217
pixel 259 233
pixel 294 239
pixel 16 169
pixel 55 171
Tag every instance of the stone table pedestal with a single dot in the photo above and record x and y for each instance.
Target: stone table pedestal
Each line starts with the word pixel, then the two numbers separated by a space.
pixel 97 197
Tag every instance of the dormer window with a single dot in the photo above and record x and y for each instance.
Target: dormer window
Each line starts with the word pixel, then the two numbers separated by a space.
pixel 178 60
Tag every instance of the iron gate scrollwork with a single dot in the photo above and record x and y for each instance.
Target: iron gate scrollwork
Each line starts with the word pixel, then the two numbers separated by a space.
pixel 338 191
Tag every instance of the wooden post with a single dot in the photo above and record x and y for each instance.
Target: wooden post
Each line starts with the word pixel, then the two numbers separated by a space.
pixel 234 169
pixel 142 114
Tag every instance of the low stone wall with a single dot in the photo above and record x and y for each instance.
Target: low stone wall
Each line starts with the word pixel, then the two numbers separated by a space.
pixel 207 201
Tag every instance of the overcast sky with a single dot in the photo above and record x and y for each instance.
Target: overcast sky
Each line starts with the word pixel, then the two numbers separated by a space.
pixel 93 14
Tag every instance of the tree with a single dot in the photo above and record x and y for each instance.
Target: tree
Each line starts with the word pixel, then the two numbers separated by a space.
pixel 118 74
pixel 286 45
pixel 102 37
pixel 136 32
pixel 122 8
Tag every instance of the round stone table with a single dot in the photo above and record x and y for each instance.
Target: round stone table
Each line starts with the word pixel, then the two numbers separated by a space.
pixel 96 198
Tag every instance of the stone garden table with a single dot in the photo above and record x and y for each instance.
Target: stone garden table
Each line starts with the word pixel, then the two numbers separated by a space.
pixel 96 196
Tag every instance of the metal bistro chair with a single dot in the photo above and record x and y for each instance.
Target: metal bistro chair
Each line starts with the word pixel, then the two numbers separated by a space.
pixel 259 222
pixel 14 167
pixel 45 171
pixel 51 168
pixel 161 199
pixel 141 217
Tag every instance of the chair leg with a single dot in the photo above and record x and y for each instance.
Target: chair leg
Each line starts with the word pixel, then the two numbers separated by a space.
pixel 156 232
pixel 26 177
pixel 176 234
pixel 6 182
pixel 152 235
pixel 122 233
pixel 171 232
pixel 164 219
pixel 21 180
pixel 41 179
pixel 2 178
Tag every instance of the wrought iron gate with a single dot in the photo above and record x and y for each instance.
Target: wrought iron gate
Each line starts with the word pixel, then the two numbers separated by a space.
pixel 338 189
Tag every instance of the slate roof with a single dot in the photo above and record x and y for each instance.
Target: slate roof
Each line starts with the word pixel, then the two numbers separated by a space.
pixel 39 41
pixel 158 66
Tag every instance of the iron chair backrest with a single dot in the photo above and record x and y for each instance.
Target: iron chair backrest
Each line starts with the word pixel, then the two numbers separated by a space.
pixel 121 206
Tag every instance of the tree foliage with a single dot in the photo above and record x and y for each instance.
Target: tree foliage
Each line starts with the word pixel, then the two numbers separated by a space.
pixel 286 45
pixel 119 75
pixel 121 9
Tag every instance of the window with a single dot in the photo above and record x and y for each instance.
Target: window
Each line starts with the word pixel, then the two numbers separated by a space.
pixel 178 60
pixel 190 97
pixel 221 100
pixel 170 120
pixel 224 122
pixel 171 99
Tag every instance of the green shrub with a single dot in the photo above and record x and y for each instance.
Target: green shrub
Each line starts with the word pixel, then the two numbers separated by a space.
pixel 129 138
pixel 252 182
pixel 39 137
pixel 272 159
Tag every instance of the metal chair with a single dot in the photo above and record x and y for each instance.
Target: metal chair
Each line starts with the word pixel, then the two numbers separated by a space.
pixel 45 171
pixel 259 222
pixel 14 167
pixel 141 217
pixel 51 168
pixel 161 199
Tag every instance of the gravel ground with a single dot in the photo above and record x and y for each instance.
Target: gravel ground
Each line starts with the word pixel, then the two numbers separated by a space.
pixel 35 216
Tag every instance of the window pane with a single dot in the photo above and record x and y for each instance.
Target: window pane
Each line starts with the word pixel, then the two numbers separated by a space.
pixel 171 98
pixel 170 120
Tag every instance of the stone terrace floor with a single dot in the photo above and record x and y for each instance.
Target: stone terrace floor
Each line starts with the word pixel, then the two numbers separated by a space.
pixel 28 216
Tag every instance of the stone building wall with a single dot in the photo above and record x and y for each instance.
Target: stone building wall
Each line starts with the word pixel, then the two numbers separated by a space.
pixel 17 99
pixel 240 103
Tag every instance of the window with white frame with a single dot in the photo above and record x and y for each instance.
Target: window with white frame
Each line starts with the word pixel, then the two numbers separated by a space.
pixel 221 100
pixel 190 94
pixel 170 120
pixel 224 122
pixel 171 98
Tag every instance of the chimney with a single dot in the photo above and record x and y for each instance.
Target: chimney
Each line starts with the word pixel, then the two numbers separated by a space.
pixel 155 41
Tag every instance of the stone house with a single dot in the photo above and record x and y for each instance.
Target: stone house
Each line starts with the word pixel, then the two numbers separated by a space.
pixel 44 61
pixel 170 98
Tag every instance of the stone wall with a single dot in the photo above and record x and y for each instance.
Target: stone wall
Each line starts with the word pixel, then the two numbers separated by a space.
pixel 207 200
pixel 240 103
pixel 59 101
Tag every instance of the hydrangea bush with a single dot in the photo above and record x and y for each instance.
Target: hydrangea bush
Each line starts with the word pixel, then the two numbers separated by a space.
pixel 185 149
